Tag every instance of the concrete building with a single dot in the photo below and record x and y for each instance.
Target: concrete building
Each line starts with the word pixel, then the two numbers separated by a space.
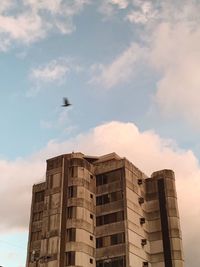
pixel 103 212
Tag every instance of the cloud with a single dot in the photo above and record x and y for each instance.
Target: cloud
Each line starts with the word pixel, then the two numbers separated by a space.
pixel 56 70
pixel 175 53
pixel 142 12
pixel 53 71
pixel 120 70
pixel 146 150
pixel 169 45
pixel 107 7
pixel 5 5
pixel 28 21
pixel 26 28
pixel 16 191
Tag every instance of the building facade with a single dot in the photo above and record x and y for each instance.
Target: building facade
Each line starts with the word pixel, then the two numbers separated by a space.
pixel 103 212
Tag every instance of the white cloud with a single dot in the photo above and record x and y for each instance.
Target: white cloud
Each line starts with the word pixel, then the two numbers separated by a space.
pixel 109 7
pixel 142 12
pixel 120 3
pixel 171 47
pixel 28 21
pixel 26 28
pixel 16 191
pixel 5 5
pixel 175 53
pixel 145 149
pixel 55 70
pixel 120 70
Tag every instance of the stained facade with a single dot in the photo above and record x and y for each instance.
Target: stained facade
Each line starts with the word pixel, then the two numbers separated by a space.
pixel 103 212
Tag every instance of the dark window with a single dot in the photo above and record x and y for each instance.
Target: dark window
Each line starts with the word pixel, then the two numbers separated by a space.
pixel 140 200
pixel 117 239
pixel 71 212
pixel 91 216
pixel 111 240
pixel 70 258
pixel 91 260
pixel 99 242
pixel 91 176
pixel 71 234
pixel 107 198
pixel 110 218
pixel 37 216
pixel 73 171
pixel 91 195
pixel 54 163
pixel 91 237
pixel 143 242
pixel 108 177
pixel 112 262
pixel 72 191
pixel 39 196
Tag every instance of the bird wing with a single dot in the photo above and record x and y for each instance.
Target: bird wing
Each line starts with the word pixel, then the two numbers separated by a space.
pixel 65 100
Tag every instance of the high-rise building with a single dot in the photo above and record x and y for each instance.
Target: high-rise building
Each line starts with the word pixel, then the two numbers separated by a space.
pixel 103 212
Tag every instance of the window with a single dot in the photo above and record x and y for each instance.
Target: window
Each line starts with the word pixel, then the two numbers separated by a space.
pixel 117 239
pixel 70 258
pixel 142 220
pixel 91 216
pixel 99 242
pixel 108 177
pixel 39 196
pixel 91 260
pixel 112 262
pixel 141 200
pixel 72 191
pixel 143 242
pixel 110 240
pixel 91 195
pixel 71 212
pixel 107 198
pixel 73 171
pixel 36 236
pixel 54 163
pixel 91 237
pixel 37 216
pixel 110 218
pixel 71 234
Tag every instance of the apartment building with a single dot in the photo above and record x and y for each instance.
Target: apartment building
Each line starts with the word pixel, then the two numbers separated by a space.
pixel 103 212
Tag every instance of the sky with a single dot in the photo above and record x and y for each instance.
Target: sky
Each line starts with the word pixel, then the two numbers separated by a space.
pixel 130 68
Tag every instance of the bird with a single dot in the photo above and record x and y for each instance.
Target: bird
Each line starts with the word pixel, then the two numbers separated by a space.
pixel 65 102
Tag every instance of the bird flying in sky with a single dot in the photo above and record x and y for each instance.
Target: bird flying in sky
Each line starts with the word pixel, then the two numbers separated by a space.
pixel 65 102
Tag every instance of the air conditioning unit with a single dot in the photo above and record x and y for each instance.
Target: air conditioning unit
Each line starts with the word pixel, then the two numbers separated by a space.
pixel 142 220
pixel 140 181
pixel 141 200
pixel 143 242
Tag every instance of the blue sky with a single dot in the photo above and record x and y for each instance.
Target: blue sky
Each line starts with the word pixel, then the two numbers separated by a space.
pixel 130 68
